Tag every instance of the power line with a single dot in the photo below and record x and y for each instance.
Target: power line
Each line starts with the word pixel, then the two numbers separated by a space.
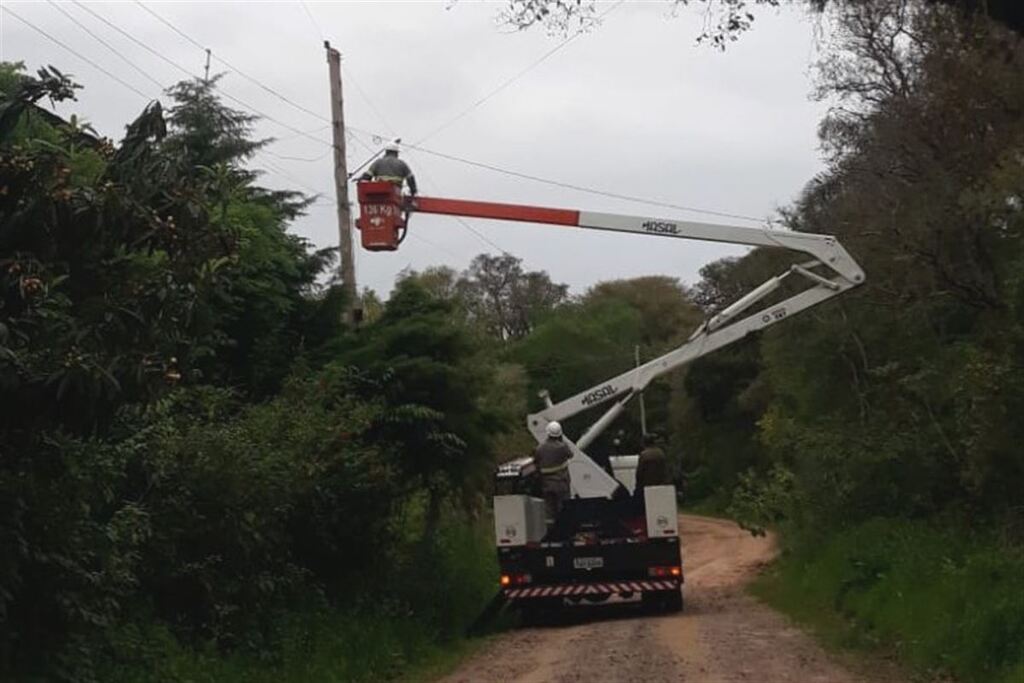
pixel 540 60
pixel 226 94
pixel 304 133
pixel 234 68
pixel 287 157
pixel 312 19
pixel 369 103
pixel 280 171
pixel 75 53
pixel 105 44
pixel 581 188
pixel 172 27
pixel 435 245
pixel 483 238
pixel 373 155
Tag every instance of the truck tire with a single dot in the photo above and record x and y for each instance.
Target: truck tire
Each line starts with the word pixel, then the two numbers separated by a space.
pixel 539 611
pixel 674 601
pixel 668 602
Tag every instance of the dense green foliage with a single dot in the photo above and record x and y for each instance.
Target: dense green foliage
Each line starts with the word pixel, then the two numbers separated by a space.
pixel 944 599
pixel 196 458
pixel 885 442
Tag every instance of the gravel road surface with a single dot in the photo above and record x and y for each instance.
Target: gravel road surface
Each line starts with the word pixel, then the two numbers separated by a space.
pixel 723 635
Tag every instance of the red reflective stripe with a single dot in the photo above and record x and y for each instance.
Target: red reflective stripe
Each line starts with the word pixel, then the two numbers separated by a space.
pixel 507 212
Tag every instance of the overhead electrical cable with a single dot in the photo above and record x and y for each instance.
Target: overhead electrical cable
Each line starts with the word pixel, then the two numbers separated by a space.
pixel 509 81
pixel 281 172
pixel 581 188
pixel 85 59
pixel 320 196
pixel 303 133
pixel 234 68
pixel 312 19
pixel 107 45
pixel 173 27
pixel 287 157
pixel 370 104
pixel 480 236
pixel 226 94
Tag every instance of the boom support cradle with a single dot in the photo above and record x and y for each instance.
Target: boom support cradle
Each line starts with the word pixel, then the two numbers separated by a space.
pixel 384 218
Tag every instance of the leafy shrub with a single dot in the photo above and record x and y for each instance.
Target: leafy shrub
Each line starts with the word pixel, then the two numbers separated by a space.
pixel 942 598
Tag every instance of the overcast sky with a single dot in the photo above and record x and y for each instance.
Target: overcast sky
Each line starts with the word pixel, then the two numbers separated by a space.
pixel 633 107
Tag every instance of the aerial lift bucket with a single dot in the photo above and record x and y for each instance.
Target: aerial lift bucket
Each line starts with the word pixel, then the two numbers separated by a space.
pixel 380 219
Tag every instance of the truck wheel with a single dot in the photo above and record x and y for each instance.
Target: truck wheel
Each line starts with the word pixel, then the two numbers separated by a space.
pixel 539 611
pixel 668 602
pixel 673 602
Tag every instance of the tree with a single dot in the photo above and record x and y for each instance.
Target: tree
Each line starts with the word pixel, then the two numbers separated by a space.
pixel 431 391
pixel 667 312
pixel 110 272
pixel 505 300
pixel 275 306
pixel 727 20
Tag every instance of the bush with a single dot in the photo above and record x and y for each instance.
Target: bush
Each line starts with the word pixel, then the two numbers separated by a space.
pixel 397 625
pixel 943 599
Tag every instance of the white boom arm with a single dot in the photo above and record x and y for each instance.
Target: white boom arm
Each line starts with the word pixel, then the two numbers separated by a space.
pixel 841 273
pixel 830 272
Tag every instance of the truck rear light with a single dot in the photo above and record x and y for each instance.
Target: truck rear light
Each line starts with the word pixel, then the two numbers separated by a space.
pixel 515 579
pixel 665 571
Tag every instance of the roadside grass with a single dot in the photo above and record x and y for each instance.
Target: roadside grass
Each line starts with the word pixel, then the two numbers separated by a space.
pixel 412 630
pixel 942 601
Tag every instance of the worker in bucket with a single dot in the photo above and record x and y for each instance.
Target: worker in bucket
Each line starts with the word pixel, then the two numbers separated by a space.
pixel 391 169
pixel 552 459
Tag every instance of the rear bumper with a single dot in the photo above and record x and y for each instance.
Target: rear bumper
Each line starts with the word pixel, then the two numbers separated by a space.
pixel 610 567
pixel 572 590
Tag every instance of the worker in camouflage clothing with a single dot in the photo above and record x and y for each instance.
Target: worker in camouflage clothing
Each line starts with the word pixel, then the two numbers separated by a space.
pixel 552 459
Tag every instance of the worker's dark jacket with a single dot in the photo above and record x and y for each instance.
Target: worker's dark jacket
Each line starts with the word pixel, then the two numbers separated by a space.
pixel 389 167
pixel 652 470
pixel 552 459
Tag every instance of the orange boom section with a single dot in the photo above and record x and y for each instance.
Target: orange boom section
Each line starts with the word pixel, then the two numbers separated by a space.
pixel 502 212
pixel 383 213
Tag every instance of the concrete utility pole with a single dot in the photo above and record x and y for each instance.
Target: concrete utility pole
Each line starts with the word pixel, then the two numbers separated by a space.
pixel 643 408
pixel 348 266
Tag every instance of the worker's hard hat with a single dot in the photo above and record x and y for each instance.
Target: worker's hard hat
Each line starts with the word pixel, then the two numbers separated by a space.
pixel 554 430
pixel 392 146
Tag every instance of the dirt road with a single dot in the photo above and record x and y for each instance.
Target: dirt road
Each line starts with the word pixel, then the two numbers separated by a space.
pixel 723 635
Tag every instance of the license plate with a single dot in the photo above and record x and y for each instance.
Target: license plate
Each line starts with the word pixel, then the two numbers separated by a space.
pixel 588 562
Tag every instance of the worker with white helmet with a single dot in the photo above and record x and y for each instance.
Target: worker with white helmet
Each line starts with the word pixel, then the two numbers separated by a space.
pixel 552 459
pixel 392 169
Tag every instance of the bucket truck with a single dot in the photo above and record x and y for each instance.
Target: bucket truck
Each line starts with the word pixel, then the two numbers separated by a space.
pixel 609 542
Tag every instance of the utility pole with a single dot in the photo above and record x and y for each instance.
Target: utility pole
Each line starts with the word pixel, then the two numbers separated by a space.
pixel 206 75
pixel 348 266
pixel 643 408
